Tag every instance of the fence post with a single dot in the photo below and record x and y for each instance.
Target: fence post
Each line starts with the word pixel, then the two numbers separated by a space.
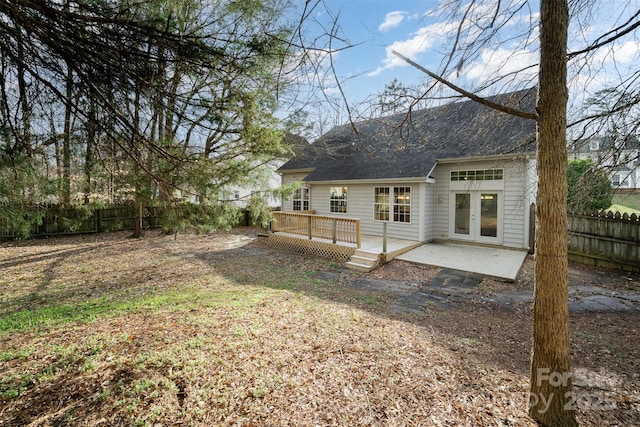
pixel 97 213
pixel 42 229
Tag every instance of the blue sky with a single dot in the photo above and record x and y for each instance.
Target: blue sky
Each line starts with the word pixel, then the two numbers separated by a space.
pixel 412 28
pixel 372 26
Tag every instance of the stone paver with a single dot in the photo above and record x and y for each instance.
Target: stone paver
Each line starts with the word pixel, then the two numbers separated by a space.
pixel 454 286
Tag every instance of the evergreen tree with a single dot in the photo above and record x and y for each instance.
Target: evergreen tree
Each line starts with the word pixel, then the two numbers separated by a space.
pixel 144 99
pixel 589 187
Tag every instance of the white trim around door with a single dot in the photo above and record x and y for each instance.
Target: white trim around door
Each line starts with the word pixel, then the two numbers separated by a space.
pixel 476 216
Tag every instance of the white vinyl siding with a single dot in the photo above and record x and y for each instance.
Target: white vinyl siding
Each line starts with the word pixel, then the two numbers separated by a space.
pixel 516 198
pixel 361 206
pixel 428 212
pixel 288 179
pixel 515 206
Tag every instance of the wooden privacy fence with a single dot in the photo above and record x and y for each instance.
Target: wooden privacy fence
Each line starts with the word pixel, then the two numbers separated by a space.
pixel 605 239
pixel 60 221
pixel 335 229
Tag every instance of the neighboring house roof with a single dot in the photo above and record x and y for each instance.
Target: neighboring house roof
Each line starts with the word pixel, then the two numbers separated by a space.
pixel 294 143
pixel 409 144
pixel 605 144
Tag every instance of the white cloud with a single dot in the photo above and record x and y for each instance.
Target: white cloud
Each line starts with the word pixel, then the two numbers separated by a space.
pixel 392 20
pixel 422 40
pixel 607 68
pixel 503 61
pixel 620 54
pixel 331 90
pixel 478 18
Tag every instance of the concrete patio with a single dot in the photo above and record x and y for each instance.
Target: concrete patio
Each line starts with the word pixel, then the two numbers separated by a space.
pixel 489 261
pixel 486 260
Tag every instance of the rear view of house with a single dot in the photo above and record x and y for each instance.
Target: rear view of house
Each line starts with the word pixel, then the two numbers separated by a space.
pixel 457 172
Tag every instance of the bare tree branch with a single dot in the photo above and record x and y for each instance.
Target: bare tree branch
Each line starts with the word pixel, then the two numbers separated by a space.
pixel 470 95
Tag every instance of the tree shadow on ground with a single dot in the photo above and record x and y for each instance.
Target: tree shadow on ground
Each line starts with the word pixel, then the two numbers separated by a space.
pixel 475 335
pixel 480 332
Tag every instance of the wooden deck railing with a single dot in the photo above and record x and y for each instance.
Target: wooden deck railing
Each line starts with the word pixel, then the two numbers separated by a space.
pixel 336 229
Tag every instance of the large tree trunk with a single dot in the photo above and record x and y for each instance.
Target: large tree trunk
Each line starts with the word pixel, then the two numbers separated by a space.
pixel 137 225
pixel 551 385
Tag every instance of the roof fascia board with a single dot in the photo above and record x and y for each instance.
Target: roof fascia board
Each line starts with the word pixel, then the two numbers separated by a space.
pixel 304 170
pixel 418 179
pixel 485 158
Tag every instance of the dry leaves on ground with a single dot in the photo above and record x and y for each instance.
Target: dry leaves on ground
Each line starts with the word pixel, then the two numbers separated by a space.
pixel 220 330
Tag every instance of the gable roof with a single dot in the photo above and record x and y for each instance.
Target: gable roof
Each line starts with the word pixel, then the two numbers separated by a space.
pixel 409 145
pixel 605 143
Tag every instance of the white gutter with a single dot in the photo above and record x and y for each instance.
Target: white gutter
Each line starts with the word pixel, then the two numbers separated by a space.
pixel 304 170
pixel 484 158
pixel 418 179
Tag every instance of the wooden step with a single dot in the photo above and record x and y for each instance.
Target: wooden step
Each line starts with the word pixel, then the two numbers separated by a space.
pixel 364 260
pixel 366 254
pixel 360 267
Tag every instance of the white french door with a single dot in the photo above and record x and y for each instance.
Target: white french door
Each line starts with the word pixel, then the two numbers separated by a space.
pixel 476 216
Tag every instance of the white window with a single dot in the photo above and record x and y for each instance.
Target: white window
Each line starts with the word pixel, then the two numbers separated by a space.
pixel 392 204
pixel 477 175
pixel 594 145
pixel 401 204
pixel 615 180
pixel 338 199
pixel 381 205
pixel 301 199
pixel 618 181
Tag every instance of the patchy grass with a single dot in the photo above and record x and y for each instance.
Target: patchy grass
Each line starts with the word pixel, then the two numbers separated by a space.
pixel 219 330
pixel 623 209
pixel 631 202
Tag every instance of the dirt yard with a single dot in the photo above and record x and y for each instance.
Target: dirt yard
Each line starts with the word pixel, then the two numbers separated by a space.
pixel 221 330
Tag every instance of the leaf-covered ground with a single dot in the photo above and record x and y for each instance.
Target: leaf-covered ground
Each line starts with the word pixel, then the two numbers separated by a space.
pixel 221 330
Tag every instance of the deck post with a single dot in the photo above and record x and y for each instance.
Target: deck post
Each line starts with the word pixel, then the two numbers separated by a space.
pixel 334 230
pixel 384 237
pixel 310 234
pixel 358 242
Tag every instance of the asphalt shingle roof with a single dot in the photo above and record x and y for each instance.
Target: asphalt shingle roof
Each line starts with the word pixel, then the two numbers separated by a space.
pixel 409 145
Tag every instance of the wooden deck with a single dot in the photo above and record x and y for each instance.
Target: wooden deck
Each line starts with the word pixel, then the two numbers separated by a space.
pixel 311 226
pixel 334 237
pixel 395 247
pixel 368 243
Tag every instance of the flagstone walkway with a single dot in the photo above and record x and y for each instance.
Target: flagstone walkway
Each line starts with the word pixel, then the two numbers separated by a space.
pixel 450 287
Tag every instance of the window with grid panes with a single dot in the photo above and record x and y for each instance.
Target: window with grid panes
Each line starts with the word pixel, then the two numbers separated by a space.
pixel 338 199
pixel 301 199
pixel 392 204
pixel 477 175
pixel 401 204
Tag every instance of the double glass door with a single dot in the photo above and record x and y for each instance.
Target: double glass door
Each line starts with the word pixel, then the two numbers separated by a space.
pixel 477 216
